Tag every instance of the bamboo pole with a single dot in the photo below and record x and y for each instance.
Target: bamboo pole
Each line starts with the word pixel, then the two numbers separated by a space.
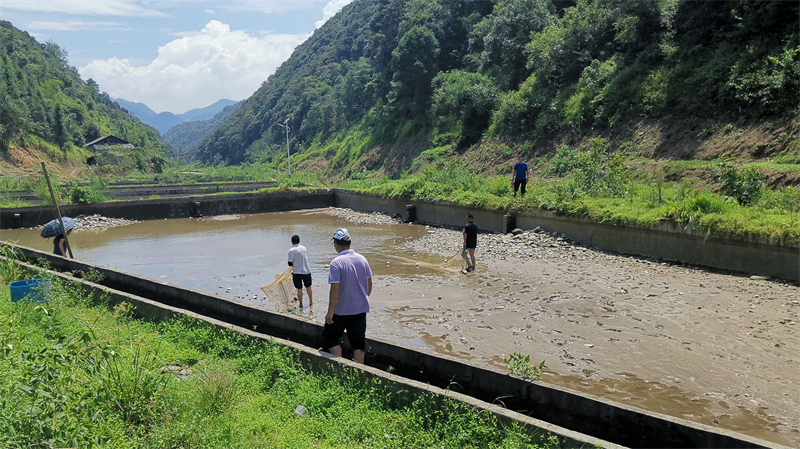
pixel 58 211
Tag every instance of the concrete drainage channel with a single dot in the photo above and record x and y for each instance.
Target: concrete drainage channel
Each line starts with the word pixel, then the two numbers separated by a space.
pixel 569 413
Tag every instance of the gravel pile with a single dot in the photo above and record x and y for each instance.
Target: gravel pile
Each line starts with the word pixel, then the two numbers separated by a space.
pixel 96 221
pixel 363 217
pixel 534 244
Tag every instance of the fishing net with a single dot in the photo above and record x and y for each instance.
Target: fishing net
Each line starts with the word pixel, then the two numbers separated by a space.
pixel 282 290
pixel 452 264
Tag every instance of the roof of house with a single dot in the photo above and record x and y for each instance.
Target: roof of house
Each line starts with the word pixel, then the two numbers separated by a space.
pixel 101 138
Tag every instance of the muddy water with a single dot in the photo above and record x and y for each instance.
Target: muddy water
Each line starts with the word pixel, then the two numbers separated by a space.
pixel 714 355
pixel 234 255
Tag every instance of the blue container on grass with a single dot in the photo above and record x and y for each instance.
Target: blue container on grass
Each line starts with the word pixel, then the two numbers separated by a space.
pixel 36 290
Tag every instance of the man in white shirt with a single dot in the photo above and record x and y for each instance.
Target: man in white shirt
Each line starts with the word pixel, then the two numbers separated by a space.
pixel 301 273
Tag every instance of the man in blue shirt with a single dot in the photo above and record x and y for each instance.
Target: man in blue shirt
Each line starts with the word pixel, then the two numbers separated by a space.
pixel 520 176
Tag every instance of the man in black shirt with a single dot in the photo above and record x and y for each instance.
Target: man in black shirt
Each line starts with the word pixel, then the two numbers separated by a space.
pixel 470 243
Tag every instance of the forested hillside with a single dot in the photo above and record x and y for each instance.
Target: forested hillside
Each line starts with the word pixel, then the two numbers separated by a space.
pixel 185 137
pixel 386 79
pixel 44 103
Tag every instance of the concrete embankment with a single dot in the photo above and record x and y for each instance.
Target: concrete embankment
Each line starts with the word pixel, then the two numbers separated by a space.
pixel 132 191
pixel 28 217
pixel 562 407
pixel 667 241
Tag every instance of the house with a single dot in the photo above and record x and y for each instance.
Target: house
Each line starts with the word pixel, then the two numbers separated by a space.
pixel 107 141
pixel 103 142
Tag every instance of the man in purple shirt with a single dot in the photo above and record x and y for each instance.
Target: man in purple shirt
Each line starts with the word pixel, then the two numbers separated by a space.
pixel 350 278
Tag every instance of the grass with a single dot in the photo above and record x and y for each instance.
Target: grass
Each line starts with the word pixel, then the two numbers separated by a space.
pixel 626 198
pixel 75 373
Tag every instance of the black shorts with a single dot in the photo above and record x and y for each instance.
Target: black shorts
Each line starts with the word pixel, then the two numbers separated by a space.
pixel 300 279
pixel 356 326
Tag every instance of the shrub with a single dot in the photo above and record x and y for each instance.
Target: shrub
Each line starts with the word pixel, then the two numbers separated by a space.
pixel 744 185
pixel 95 192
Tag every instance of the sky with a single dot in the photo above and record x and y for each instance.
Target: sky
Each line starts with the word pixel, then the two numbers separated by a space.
pixel 173 55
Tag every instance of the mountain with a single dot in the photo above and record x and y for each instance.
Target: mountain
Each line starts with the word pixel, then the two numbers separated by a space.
pixel 208 112
pixel 165 120
pixel 384 80
pixel 161 121
pixel 184 137
pixel 138 110
pixel 44 102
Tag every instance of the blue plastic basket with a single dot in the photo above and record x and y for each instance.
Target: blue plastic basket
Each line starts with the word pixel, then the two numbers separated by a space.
pixel 36 290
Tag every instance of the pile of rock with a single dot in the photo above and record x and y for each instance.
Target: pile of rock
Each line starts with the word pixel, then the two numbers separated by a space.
pixel 534 244
pixel 363 217
pixel 96 221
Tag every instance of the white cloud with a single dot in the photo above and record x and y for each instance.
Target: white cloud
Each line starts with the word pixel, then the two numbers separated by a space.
pixel 267 6
pixel 128 8
pixel 330 10
pixel 197 70
pixel 210 11
pixel 76 25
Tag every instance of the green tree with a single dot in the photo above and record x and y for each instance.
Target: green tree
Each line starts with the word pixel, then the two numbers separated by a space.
pixel 463 104
pixel 414 66
pixel 499 40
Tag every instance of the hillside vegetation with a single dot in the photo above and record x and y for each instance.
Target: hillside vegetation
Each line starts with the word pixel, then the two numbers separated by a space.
pixel 45 106
pixel 385 80
pixel 185 137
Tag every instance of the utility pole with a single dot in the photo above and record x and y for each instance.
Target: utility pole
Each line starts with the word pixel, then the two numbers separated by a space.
pixel 285 125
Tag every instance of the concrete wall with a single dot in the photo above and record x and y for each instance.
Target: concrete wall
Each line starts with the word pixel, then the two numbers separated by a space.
pixel 438 213
pixel 775 259
pixel 173 208
pixel 562 407
pixel 670 242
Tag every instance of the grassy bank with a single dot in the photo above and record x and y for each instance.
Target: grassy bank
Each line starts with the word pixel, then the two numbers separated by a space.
pixel 78 374
pixel 597 186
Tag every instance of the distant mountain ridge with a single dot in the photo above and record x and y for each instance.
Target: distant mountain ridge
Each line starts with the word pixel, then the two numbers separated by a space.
pixel 165 120
pixel 185 137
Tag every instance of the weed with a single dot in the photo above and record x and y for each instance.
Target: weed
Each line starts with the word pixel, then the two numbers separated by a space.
pixel 216 389
pixel 95 192
pixel 784 158
pixel 521 366
pixel 744 185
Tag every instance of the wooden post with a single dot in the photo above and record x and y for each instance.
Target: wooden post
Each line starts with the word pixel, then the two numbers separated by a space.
pixel 58 212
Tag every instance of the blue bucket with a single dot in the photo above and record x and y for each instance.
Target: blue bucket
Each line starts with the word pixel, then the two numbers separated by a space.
pixel 36 290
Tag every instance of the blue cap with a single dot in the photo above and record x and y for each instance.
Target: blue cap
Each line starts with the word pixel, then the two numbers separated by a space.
pixel 342 234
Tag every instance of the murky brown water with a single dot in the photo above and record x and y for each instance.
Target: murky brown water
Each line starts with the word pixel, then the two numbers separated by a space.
pixel 639 352
pixel 235 255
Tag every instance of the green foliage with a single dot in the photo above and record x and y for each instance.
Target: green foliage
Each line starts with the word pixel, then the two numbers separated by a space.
pixel 565 160
pixel 462 105
pixel 42 97
pixel 95 192
pixel 497 43
pixel 414 66
pixel 185 137
pixel 594 171
pixel 520 365
pixel 743 185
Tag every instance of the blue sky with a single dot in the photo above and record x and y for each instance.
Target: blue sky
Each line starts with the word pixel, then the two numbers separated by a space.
pixel 173 55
